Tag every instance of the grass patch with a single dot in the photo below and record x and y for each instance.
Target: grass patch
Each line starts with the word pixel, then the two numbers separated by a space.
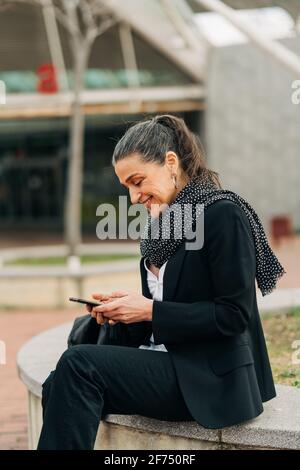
pixel 281 331
pixel 62 260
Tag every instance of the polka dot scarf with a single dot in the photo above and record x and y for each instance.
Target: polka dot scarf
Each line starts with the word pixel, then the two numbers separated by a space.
pixel 197 191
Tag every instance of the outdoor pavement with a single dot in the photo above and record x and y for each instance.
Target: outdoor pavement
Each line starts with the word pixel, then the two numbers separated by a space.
pixel 15 329
pixel 18 326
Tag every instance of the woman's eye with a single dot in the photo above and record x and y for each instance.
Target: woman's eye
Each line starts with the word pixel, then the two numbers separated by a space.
pixel 137 183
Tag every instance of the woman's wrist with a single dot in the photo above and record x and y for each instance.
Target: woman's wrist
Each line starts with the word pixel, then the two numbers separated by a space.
pixel 149 310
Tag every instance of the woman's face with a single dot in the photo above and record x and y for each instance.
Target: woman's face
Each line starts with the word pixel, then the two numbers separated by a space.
pixel 148 183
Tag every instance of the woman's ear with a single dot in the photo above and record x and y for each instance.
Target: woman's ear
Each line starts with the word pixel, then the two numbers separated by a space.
pixel 172 161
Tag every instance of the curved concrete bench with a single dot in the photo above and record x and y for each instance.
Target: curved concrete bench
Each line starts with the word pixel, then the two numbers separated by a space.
pixel 278 427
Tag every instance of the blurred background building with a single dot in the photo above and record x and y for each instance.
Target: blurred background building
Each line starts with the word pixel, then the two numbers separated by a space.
pixel 156 56
pixel 161 57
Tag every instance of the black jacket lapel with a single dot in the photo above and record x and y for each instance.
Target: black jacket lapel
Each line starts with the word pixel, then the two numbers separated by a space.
pixel 171 274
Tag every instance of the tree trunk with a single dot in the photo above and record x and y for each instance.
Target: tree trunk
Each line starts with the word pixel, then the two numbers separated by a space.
pixel 72 219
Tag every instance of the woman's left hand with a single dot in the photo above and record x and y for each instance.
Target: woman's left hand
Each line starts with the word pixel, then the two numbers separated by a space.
pixel 126 307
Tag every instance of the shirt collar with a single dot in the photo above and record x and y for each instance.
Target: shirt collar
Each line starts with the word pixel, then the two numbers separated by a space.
pixel 161 270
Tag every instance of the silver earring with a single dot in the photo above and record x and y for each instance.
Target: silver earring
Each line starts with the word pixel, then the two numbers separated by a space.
pixel 174 181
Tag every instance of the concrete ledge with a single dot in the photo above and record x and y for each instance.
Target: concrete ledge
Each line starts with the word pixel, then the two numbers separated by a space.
pixel 278 427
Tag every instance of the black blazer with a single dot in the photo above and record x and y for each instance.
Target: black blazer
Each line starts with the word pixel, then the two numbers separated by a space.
pixel 209 322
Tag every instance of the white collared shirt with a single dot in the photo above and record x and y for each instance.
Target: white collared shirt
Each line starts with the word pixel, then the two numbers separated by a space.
pixel 155 285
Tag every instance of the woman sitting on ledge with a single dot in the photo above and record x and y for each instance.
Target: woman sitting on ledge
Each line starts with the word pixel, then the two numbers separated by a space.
pixel 191 346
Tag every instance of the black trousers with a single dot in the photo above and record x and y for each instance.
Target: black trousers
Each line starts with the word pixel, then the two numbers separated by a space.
pixel 92 381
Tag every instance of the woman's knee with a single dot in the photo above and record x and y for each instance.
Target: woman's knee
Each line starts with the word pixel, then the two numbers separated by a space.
pixel 65 359
pixel 90 362
pixel 71 356
pixel 82 359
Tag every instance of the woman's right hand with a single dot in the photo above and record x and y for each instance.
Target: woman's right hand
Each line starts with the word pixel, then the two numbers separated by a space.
pixel 99 317
pixel 103 298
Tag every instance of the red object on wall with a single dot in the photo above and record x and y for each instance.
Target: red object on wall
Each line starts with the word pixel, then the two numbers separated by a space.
pixel 281 226
pixel 47 82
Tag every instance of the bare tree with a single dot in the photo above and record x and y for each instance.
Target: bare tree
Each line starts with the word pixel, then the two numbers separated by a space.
pixel 84 21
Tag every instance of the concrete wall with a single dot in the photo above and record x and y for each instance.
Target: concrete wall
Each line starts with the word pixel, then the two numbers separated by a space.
pixel 122 437
pixel 253 128
pixel 117 437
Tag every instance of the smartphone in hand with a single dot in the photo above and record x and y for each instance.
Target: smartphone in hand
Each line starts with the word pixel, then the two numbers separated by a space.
pixel 93 303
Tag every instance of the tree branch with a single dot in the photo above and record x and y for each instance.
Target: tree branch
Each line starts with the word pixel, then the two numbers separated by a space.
pixel 66 15
pixel 92 34
pixel 65 21
pixel 87 15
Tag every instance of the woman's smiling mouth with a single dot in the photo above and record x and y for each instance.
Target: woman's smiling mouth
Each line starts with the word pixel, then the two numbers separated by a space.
pixel 147 202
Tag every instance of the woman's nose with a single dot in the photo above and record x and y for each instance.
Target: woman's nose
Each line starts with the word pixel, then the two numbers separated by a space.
pixel 134 196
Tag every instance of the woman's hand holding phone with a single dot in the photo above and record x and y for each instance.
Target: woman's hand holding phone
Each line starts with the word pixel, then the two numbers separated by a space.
pixel 104 298
pixel 99 317
pixel 125 307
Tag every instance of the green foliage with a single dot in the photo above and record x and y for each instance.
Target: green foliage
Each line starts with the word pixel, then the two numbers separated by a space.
pixel 60 260
pixel 288 373
pixel 296 383
pixel 281 331
pixel 294 312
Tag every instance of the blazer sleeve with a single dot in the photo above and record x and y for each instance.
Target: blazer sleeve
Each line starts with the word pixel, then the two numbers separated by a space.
pixel 230 249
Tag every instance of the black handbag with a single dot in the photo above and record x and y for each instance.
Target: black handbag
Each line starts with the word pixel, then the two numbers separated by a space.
pixel 86 330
